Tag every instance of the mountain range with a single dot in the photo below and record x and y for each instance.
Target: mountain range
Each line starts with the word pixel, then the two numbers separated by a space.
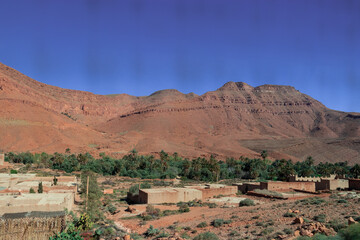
pixel 234 120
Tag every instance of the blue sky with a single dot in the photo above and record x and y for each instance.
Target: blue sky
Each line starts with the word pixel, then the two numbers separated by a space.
pixel 141 46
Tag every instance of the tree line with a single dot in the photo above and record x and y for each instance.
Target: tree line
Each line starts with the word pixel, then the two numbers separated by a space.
pixel 170 166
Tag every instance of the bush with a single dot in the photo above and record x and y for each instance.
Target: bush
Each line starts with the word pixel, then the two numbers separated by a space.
pixel 202 225
pixel 13 171
pixel 151 231
pixel 351 232
pixel 206 236
pixel 320 218
pixel 40 188
pixel 246 202
pixel 289 214
pixel 112 209
pixel 145 185
pixel 288 231
pixel 220 222
pixel 184 208
pixel 32 190
pixel 342 201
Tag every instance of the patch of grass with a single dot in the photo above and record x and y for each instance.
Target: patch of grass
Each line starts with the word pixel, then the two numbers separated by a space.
pixel 220 222
pixel 246 202
pixel 206 236
pixel 311 201
pixel 320 218
pixel 289 214
pixel 202 225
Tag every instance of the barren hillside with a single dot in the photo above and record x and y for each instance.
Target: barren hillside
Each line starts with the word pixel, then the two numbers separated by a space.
pixel 236 119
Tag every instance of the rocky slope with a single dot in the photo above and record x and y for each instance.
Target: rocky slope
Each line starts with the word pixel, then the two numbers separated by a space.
pixel 236 119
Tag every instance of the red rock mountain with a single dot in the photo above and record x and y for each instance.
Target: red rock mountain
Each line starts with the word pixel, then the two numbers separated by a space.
pixel 236 119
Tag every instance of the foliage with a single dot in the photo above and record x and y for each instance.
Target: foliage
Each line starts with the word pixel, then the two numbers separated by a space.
pixel 92 202
pixel 202 225
pixel 83 223
pixel 246 202
pixel 32 190
pixel 40 188
pixel 171 166
pixel 206 236
pixel 151 231
pixel 55 180
pixel 219 222
pixel 289 214
pixel 320 218
pixel 13 171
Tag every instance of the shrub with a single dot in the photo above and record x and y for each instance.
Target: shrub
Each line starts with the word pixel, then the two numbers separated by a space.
pixel 152 211
pixel 134 189
pixel 202 225
pixel 288 231
pixel 342 201
pixel 32 190
pixel 151 231
pixel 112 209
pixel 145 185
pixel 206 236
pixel 220 222
pixel 336 225
pixel 351 232
pixel 40 188
pixel 320 218
pixel 289 214
pixel 184 208
pixel 246 202
pixel 311 201
pixel 13 171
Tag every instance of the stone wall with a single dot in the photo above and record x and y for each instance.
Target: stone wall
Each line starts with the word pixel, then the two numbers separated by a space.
pixel 328 184
pixel 285 186
pixel 354 184
pixel 212 192
pixel 245 187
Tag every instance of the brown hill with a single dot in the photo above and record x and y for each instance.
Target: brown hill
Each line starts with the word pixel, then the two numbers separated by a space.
pixel 237 119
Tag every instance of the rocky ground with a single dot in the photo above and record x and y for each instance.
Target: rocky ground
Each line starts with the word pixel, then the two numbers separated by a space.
pixel 268 219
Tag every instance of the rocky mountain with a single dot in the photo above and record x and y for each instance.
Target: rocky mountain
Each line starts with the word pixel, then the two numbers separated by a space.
pixel 236 119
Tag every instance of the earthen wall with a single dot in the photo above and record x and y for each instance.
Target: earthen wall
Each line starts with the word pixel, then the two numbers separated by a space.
pixel 354 184
pixel 284 186
pixel 212 192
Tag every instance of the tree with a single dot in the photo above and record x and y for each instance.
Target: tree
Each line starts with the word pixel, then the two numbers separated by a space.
pixel 40 188
pixel 55 180
pixel 264 154
pixel 355 171
pixel 92 202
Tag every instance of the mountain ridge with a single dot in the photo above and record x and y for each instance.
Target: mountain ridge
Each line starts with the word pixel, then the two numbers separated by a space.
pixel 228 122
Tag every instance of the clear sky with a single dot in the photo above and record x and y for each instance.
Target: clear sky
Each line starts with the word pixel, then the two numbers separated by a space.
pixel 141 46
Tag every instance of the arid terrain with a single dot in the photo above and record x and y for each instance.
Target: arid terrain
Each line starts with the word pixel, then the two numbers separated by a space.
pixel 236 119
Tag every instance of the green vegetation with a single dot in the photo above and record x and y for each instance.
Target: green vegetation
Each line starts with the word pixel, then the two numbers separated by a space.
pixel 206 236
pixel 13 171
pixel 246 202
pixel 40 188
pixel 171 166
pixel 151 231
pixel 289 214
pixel 202 225
pixel 32 190
pixel 351 232
pixel 219 222
pixel 92 201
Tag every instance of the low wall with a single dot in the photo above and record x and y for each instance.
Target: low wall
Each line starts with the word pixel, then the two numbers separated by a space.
pixel 245 187
pixel 212 192
pixel 36 202
pixel 354 184
pixel 327 184
pixel 285 186
pixel 31 228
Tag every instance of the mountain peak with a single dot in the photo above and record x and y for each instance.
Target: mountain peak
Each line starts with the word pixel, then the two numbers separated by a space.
pixel 235 86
